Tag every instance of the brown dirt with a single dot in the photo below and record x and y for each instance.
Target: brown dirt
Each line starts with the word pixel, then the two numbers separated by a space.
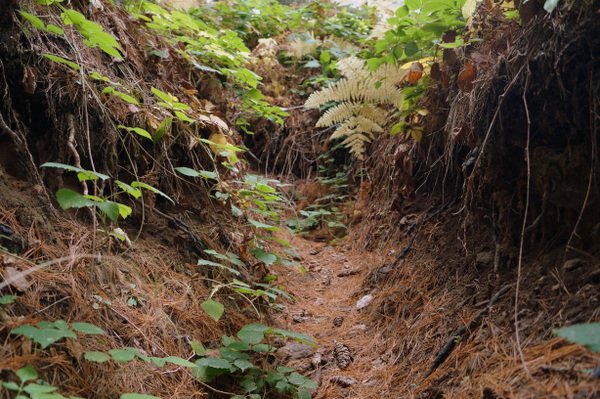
pixel 422 301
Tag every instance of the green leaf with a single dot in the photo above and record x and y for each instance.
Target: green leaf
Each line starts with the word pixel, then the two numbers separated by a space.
pixel 312 64
pixel 62 61
pixel 261 225
pixel 266 257
pixel 298 337
pixel 124 210
pixel 252 333
pixel 325 57
pixel 123 96
pixel 137 130
pixel 35 21
pixel 55 29
pixel 231 355
pixel 301 381
pixel 110 208
pixel 303 394
pixel 162 95
pixel 150 188
pixel 82 174
pixel 95 356
pixel 214 363
pixel 238 346
pixel 33 389
pixel 550 5
pixel 242 364
pixel 11 386
pixel 235 211
pixel 213 308
pixel 413 4
pixel 411 49
pixel 587 335
pixel 45 336
pixel 70 199
pixel 198 348
pixel 193 173
pixel 263 348
pixel 179 361
pixel 87 328
pixel 8 299
pixel 26 373
pixel 137 396
pixel 187 171
pixel 163 128
pixel 123 355
pixel 184 117
pixel 134 192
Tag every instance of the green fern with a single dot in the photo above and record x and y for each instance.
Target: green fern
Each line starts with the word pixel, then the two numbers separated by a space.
pixel 360 94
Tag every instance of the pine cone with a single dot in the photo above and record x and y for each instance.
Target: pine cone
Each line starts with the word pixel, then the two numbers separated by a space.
pixel 337 321
pixel 341 354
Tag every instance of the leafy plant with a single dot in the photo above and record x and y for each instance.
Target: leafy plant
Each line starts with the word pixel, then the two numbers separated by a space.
pixel 68 198
pixel 48 332
pixel 32 387
pixel 236 358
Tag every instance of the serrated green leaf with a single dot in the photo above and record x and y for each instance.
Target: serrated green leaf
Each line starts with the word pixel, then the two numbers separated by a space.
pixel 70 199
pixel 87 328
pixel 214 363
pixel 263 348
pixel 231 355
pixel 238 346
pixel 213 308
pixel 44 337
pixel 301 381
pixel 252 333
pixel 123 355
pixel 95 356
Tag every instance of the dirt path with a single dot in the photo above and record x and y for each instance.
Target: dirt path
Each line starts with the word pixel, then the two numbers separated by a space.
pixel 328 298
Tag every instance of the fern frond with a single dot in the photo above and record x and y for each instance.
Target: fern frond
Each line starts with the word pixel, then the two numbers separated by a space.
pixel 359 94
pixel 342 44
pixel 353 68
pixel 346 110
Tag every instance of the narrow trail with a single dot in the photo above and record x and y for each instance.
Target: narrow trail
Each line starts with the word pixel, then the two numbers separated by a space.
pixel 326 308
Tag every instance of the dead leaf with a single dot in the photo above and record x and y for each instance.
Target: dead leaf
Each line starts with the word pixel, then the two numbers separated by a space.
pixel 466 77
pixel 415 72
pixel 16 279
